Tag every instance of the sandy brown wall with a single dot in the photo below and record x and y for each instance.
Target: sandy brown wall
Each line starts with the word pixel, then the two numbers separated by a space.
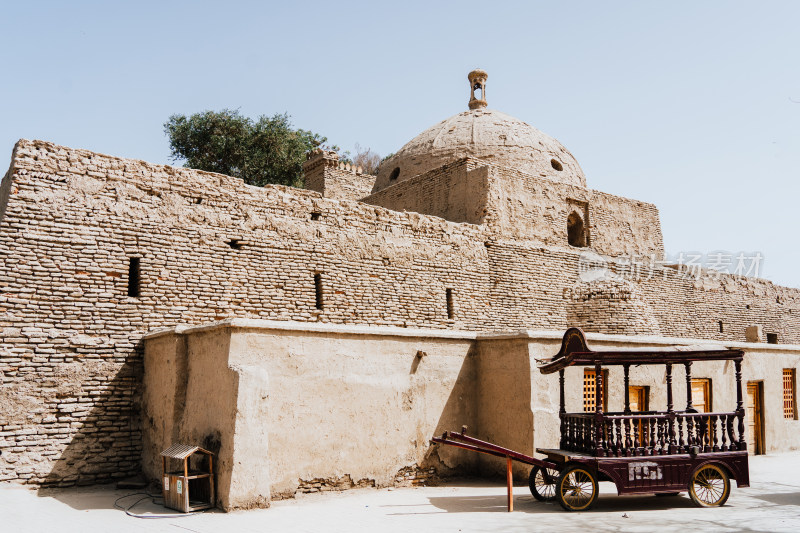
pixel 359 406
pixel 504 402
pixel 291 409
pixel 211 247
pixel 70 331
pixel 325 174
pixel 527 207
pixel 166 374
pixel 456 192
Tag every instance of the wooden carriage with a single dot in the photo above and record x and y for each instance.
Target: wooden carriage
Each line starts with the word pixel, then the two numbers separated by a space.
pixel 652 452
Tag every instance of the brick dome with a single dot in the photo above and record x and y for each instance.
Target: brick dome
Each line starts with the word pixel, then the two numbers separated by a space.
pixel 485 134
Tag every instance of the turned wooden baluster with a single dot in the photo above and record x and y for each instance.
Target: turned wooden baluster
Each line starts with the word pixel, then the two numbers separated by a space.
pixel 618 429
pixel 740 404
pixel 731 436
pixel 681 444
pixel 602 430
pixel 628 441
pixel 723 421
pixel 568 438
pixel 704 434
pixel 689 407
pixel 599 398
pixel 576 433
pixel 670 412
pixel 713 421
pixel 626 378
pixel 562 411
pixel 584 437
pixel 652 442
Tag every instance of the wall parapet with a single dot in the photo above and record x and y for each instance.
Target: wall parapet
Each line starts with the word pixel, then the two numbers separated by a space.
pixel 516 334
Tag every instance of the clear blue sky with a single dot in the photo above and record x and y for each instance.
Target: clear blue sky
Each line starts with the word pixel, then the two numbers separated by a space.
pixel 694 106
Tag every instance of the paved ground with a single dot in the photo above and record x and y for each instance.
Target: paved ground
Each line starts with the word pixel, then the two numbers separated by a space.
pixel 771 504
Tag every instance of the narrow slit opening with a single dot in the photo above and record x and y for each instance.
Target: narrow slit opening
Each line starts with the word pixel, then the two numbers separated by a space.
pixel 134 274
pixel 318 290
pixel 449 298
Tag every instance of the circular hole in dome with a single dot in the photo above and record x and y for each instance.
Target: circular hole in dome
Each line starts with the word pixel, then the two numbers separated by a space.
pixel 395 174
pixel 556 164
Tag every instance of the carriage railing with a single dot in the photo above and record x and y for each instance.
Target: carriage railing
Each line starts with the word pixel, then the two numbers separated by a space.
pixel 652 433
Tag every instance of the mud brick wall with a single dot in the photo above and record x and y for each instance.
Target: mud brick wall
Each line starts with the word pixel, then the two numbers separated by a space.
pixel 75 223
pixel 528 207
pixel 328 176
pixel 456 192
pixel 518 205
pixel 209 247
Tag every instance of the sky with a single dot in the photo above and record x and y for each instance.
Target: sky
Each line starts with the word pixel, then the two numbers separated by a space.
pixel 691 105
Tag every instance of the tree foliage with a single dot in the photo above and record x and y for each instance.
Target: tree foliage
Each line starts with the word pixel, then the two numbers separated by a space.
pixel 264 151
pixel 366 159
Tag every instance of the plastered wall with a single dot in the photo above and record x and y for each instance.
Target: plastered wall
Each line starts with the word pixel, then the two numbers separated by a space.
pixel 283 407
pixel 292 407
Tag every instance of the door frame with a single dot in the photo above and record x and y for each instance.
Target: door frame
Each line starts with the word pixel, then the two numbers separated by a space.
pixel 759 443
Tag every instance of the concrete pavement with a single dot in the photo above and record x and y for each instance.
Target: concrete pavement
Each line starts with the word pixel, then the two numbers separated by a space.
pixel 771 504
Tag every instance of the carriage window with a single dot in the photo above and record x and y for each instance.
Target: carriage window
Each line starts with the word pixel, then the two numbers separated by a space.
pixel 789 386
pixel 589 393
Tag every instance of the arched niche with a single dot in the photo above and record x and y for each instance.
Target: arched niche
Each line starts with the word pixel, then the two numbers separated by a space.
pixel 576 233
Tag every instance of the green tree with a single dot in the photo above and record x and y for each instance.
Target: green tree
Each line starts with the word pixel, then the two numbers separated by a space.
pixel 268 150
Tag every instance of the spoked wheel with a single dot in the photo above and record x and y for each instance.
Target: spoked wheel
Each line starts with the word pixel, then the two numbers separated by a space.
pixel 542 488
pixel 709 486
pixel 576 488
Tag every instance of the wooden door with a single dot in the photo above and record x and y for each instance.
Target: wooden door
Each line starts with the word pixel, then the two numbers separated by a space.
pixel 638 397
pixel 701 401
pixel 639 402
pixel 589 393
pixel 754 415
pixel 701 395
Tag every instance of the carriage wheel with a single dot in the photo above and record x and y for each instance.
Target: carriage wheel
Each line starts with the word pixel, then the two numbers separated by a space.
pixel 540 488
pixel 709 486
pixel 576 488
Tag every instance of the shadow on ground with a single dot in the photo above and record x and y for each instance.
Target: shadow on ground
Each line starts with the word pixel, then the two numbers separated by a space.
pixel 606 503
pixel 779 498
pixel 136 502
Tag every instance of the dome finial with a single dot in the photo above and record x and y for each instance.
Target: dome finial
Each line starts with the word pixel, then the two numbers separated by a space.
pixel 477 82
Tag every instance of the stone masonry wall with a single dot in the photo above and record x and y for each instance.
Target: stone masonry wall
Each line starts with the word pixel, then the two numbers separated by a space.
pixel 210 247
pixel 330 177
pixel 456 192
pixel 527 207
pixel 539 287
pixel 514 204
